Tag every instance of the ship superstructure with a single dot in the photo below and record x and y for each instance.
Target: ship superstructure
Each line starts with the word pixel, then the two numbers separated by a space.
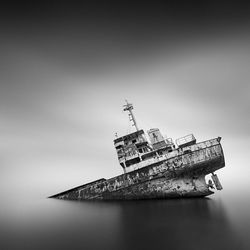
pixel 156 167
pixel 134 151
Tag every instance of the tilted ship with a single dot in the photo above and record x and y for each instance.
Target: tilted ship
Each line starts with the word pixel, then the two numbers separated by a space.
pixel 156 168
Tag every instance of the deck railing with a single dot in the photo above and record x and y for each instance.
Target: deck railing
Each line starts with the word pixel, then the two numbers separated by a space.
pixel 185 140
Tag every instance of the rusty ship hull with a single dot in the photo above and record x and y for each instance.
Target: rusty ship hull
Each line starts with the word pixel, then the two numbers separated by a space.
pixel 180 173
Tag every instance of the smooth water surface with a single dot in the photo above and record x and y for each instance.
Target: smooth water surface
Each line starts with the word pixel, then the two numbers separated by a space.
pixel 208 223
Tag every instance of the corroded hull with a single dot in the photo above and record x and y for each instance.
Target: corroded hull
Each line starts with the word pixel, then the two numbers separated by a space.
pixel 161 188
pixel 178 174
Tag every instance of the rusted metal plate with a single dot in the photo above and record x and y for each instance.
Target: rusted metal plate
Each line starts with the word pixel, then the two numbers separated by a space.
pixel 151 181
pixel 216 182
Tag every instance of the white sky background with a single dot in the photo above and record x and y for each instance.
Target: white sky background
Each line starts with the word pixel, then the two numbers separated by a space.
pixel 59 110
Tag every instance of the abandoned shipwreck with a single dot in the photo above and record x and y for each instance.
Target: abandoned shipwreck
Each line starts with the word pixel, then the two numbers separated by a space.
pixel 156 168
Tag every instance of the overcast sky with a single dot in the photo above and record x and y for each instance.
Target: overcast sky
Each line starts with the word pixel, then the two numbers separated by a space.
pixel 66 69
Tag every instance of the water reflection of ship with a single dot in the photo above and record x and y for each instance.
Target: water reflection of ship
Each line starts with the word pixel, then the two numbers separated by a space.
pixel 177 224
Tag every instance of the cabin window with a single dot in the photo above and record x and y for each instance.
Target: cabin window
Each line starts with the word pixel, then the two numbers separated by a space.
pixel 149 155
pixel 140 150
pixel 160 153
pixel 134 141
pixel 187 151
pixel 132 161
pixel 119 146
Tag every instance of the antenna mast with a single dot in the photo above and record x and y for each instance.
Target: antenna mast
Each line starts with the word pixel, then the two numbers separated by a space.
pixel 128 107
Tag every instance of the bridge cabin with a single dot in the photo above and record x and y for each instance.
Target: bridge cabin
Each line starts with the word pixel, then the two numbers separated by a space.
pixel 134 151
pixel 130 148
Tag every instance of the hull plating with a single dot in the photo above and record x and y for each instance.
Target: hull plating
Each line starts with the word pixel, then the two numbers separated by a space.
pixel 182 175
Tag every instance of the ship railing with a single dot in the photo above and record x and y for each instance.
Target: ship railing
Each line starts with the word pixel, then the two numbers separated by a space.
pixel 211 151
pixel 188 139
pixel 119 144
pixel 202 145
pixel 130 156
pixel 169 141
pixel 142 164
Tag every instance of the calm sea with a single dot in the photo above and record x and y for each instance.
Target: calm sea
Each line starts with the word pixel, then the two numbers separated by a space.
pixel 220 222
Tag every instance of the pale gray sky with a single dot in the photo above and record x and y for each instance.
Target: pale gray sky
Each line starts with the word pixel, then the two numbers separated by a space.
pixel 63 84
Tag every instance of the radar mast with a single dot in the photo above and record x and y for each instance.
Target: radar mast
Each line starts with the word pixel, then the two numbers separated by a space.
pixel 128 107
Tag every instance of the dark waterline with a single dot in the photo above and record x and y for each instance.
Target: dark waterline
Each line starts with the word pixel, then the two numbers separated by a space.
pixel 153 224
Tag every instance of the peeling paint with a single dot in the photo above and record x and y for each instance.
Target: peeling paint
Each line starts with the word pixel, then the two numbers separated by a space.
pixel 182 174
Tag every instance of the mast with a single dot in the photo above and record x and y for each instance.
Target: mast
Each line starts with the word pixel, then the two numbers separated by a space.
pixel 128 107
